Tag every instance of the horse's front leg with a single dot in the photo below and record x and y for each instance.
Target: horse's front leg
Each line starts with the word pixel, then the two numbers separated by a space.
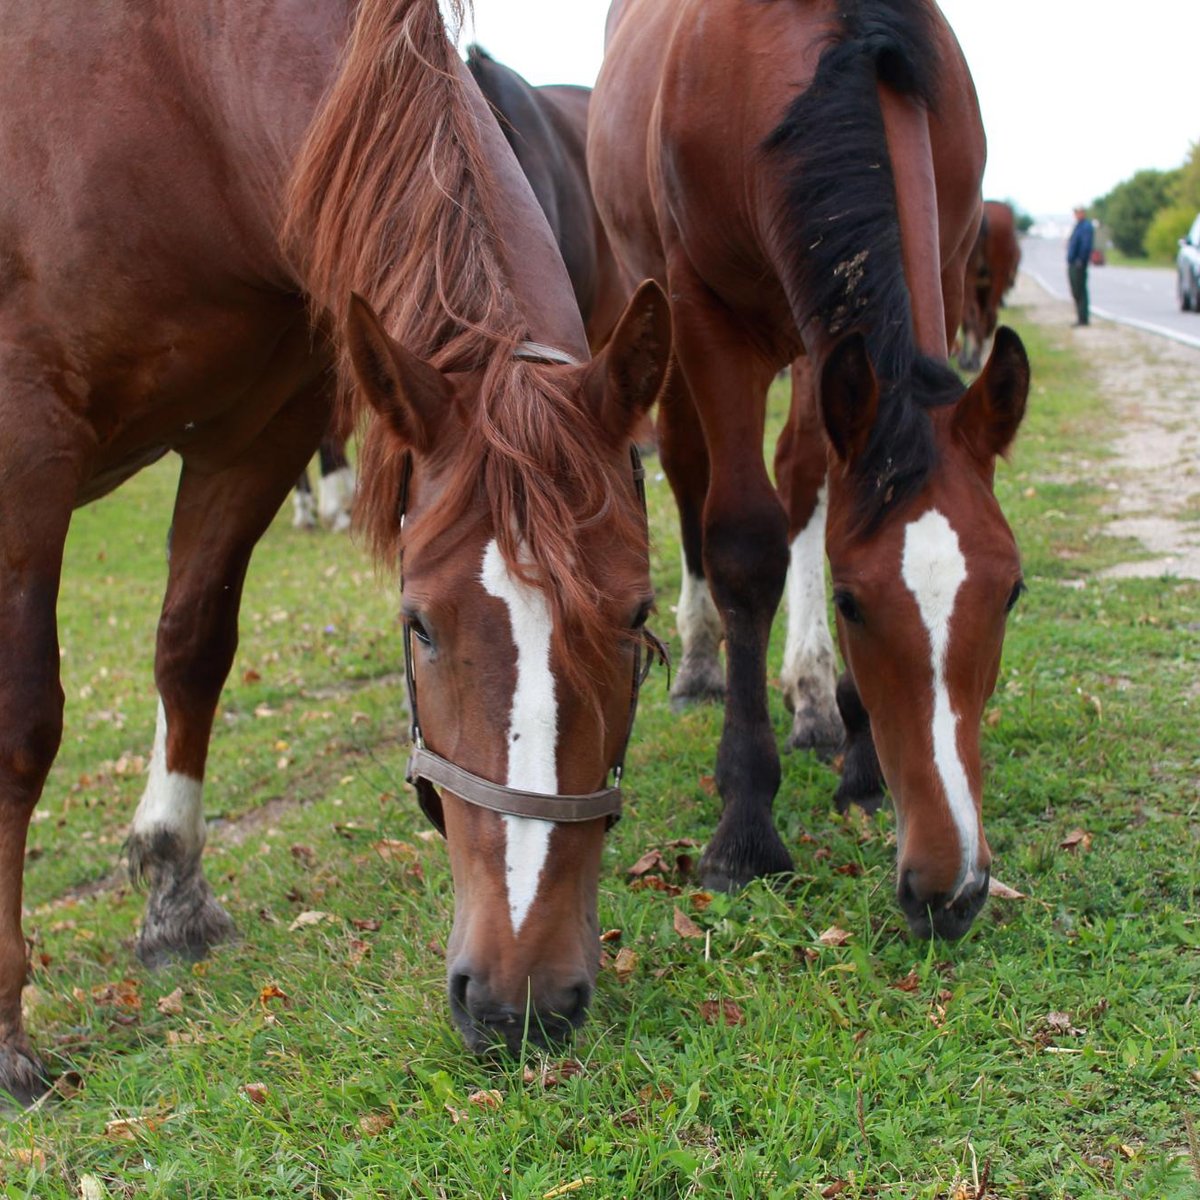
pixel 809 664
pixel 217 521
pixel 42 458
pixel 745 561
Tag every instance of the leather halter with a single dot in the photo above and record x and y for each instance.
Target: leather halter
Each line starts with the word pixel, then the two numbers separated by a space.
pixel 426 768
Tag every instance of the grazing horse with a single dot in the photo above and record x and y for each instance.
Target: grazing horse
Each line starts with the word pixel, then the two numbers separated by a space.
pixel 190 199
pixel 991 271
pixel 803 177
pixel 547 129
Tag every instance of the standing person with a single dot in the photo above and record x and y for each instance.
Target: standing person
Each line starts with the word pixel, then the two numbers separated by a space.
pixel 1079 255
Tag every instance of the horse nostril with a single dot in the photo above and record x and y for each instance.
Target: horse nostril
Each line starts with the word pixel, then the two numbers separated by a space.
pixel 906 893
pixel 572 1004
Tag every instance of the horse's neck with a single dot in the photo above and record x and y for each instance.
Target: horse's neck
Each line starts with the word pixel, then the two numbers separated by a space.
pixel 906 126
pixel 529 255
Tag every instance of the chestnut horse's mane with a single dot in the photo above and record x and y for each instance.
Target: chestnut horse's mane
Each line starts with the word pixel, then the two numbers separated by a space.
pixel 840 228
pixel 392 197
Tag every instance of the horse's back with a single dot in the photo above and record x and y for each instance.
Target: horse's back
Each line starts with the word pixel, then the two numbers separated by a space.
pixel 141 279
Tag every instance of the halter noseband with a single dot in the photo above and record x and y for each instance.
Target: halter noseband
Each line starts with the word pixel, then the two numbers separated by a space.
pixel 427 768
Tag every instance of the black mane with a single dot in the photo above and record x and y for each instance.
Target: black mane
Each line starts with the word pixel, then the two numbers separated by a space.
pixel 840 233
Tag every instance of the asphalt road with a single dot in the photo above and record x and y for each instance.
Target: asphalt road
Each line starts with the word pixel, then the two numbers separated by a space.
pixel 1143 297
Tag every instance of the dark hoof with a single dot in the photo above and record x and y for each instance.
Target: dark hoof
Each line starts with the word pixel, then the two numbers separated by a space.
pixel 820 732
pixel 22 1079
pixel 698 683
pixel 731 862
pixel 183 925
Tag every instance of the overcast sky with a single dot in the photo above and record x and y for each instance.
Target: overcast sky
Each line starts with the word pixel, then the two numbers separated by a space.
pixel 1075 98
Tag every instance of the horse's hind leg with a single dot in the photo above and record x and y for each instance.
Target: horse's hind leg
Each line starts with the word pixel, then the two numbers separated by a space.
pixel 39 478
pixel 218 519
pixel 685 463
pixel 745 560
pixel 809 666
pixel 336 486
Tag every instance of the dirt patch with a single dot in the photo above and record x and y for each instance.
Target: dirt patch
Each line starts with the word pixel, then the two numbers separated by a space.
pixel 1153 386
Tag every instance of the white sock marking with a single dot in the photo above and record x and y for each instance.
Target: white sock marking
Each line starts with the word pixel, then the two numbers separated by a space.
pixel 808 652
pixel 532 730
pixel 696 616
pixel 172 801
pixel 934 569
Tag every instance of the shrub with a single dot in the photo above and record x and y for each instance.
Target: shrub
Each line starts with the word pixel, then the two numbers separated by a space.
pixel 1168 226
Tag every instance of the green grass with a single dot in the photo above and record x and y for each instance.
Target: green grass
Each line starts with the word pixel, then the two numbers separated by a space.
pixel 359 1087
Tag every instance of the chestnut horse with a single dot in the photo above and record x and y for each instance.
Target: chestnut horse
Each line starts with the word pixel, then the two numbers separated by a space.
pixel 190 199
pixel 803 177
pixel 991 271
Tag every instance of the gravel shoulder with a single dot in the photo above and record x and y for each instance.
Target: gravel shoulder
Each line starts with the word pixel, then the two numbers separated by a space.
pixel 1153 387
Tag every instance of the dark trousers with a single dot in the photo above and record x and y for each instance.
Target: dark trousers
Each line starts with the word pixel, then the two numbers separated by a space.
pixel 1077 274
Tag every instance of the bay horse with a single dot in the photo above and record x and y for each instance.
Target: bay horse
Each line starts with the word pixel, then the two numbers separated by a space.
pixel 803 177
pixel 191 198
pixel 546 127
pixel 991 272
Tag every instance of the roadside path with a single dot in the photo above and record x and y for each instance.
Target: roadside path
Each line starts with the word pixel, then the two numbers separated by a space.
pixel 1153 386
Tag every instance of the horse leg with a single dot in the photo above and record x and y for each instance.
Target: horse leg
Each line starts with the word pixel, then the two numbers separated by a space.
pixel 39 479
pixel 304 510
pixel 219 517
pixel 745 561
pixel 809 666
pixel 685 463
pixel 337 485
pixel 862 779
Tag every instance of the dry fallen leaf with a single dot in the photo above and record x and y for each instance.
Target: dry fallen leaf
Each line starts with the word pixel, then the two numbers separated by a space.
pixel 171 1005
pixel 833 936
pixel 490 1098
pixel 610 935
pixel 308 918
pixel 624 964
pixel 272 992
pixel 685 926
pixel 565 1189
pixel 373 1124
pixel 1001 891
pixel 90 1188
pixel 254 1091
pixel 126 1129
pixel 910 983
pixel 836 1188
pixel 721 1011
pixel 652 860
pixel 1077 839
pixel 28 1156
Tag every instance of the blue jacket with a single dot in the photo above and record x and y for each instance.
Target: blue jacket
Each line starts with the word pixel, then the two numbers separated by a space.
pixel 1079 248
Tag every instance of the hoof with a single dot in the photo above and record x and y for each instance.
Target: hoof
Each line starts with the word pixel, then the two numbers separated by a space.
pixel 698 682
pixel 817 730
pixel 870 801
pixel 732 859
pixel 183 918
pixel 185 930
pixel 22 1077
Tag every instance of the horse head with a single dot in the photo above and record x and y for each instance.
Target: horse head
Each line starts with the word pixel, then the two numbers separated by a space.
pixel 925 570
pixel 525 591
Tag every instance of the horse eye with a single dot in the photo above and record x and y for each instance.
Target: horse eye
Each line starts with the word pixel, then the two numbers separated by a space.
pixel 848 606
pixel 418 629
pixel 1014 595
pixel 643 615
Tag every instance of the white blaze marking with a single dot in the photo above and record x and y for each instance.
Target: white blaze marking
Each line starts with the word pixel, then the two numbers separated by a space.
pixel 808 653
pixel 171 801
pixel 532 730
pixel 933 569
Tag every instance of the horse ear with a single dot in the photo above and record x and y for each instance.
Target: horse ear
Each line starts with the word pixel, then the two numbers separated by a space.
pixel 624 378
pixel 404 390
pixel 848 396
pixel 990 411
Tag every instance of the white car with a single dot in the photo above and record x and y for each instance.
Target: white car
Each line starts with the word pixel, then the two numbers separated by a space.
pixel 1187 264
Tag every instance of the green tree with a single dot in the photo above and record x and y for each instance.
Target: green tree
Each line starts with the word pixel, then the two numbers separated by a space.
pixel 1186 192
pixel 1168 226
pixel 1130 207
